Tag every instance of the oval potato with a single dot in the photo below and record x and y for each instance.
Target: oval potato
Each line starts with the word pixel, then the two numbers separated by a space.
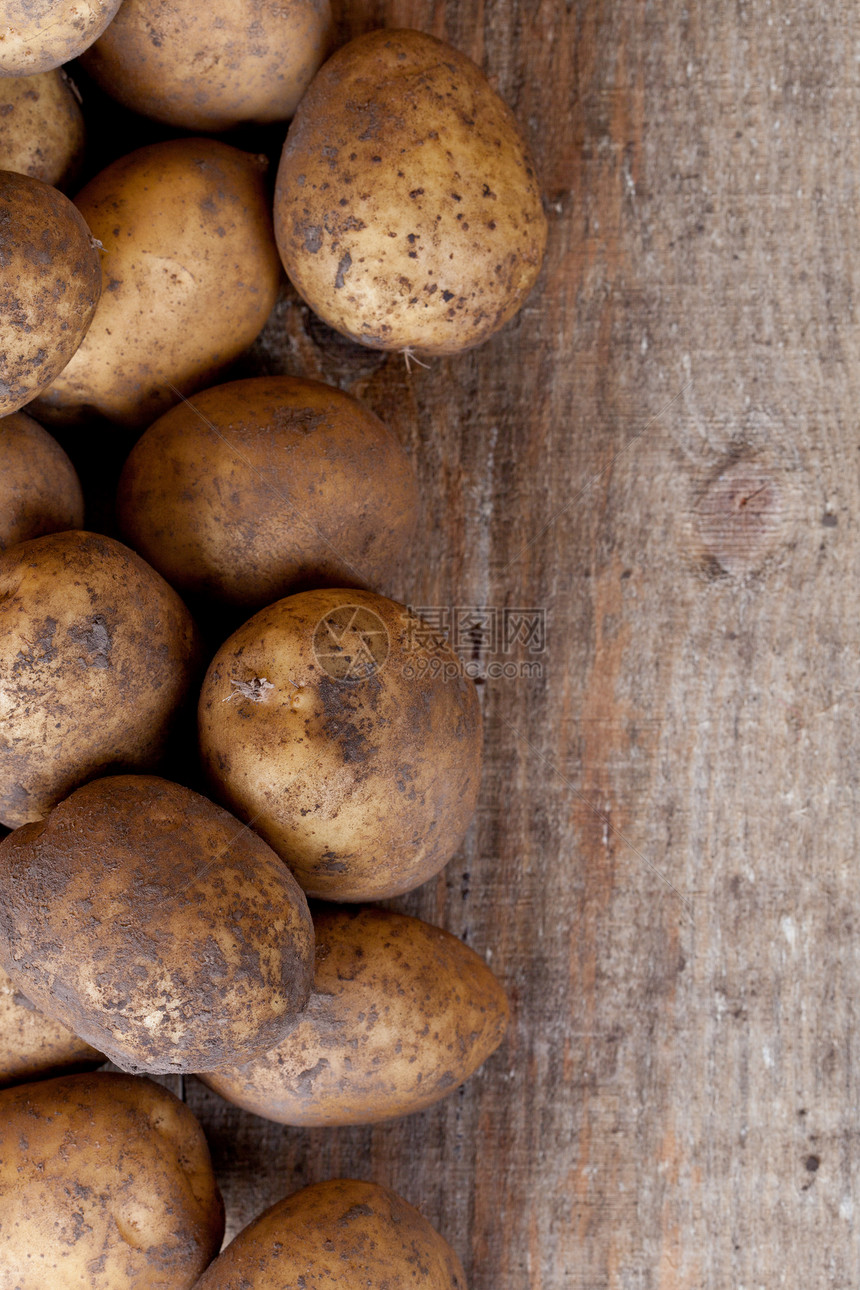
pixel 155 926
pixel 400 1015
pixel 39 488
pixel 32 1046
pixel 105 1184
pixel 407 212
pixel 38 35
pixel 41 127
pixel 338 1235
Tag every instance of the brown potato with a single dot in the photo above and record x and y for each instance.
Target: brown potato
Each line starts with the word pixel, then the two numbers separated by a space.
pixel 41 127
pixel 39 488
pixel 96 654
pixel 155 926
pixel 264 483
pixel 32 1046
pixel 400 1015
pixel 407 211
pixel 191 273
pixel 338 1235
pixel 212 66
pixel 38 35
pixel 50 282
pixel 354 749
pixel 105 1184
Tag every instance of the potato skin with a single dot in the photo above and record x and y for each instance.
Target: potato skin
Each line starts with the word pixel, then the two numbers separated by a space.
pixel 364 786
pixel 105 1184
pixel 338 1235
pixel 41 127
pixel 38 35
pixel 96 655
pixel 32 1046
pixel 407 212
pixel 401 1014
pixel 155 926
pixel 50 281
pixel 191 273
pixel 264 483
pixel 259 56
pixel 39 488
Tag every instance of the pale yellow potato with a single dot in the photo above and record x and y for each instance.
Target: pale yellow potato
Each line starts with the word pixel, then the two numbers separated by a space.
pixel 38 35
pixel 106 1183
pixel 33 1046
pixel 407 211
pixel 41 127
pixel 190 275
pixel 338 1235
pixel 400 1015
pixel 212 66
pixel 39 488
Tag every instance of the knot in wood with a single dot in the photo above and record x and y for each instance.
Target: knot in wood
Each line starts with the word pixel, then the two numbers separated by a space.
pixel 742 517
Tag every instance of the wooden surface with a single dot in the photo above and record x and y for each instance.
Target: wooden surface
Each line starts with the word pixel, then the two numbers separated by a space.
pixel 662 453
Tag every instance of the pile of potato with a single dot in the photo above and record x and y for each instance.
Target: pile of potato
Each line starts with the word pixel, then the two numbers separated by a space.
pixel 141 919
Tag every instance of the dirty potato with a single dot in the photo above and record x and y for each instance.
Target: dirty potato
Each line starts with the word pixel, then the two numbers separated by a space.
pixel 41 127
pixel 400 1015
pixel 407 211
pixel 105 1184
pixel 38 35
pixel 39 488
pixel 265 483
pixel 32 1046
pixel 338 1235
pixel 155 926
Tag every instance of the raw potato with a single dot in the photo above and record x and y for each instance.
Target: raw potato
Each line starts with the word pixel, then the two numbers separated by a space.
pixel 407 211
pixel 265 483
pixel 96 655
pixel 400 1015
pixel 50 282
pixel 39 488
pixel 339 1235
pixel 191 273
pixel 212 66
pixel 38 35
pixel 32 1046
pixel 41 127
pixel 105 1184
pixel 155 926
pixel 353 745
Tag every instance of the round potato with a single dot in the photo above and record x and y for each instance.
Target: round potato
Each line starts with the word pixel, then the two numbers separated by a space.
pixel 155 926
pixel 105 1184
pixel 39 488
pixel 407 212
pixel 259 57
pixel 338 1235
pixel 41 127
pixel 353 746
pixel 32 1046
pixel 265 483
pixel 190 272
pixel 400 1015
pixel 49 286
pixel 96 655
pixel 38 35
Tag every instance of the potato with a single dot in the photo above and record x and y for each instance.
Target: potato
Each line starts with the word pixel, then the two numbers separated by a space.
pixel 325 722
pixel 96 654
pixel 41 127
pixel 32 1046
pixel 49 286
pixel 105 1184
pixel 38 35
pixel 264 483
pixel 191 273
pixel 39 488
pixel 155 926
pixel 212 66
pixel 407 211
pixel 338 1235
pixel 400 1015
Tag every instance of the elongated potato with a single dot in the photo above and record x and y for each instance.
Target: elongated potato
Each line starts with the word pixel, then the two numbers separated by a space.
pixel 41 127
pixel 400 1015
pixel 338 1235
pixel 190 273
pixel 39 488
pixel 38 35
pixel 105 1184
pixel 33 1046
